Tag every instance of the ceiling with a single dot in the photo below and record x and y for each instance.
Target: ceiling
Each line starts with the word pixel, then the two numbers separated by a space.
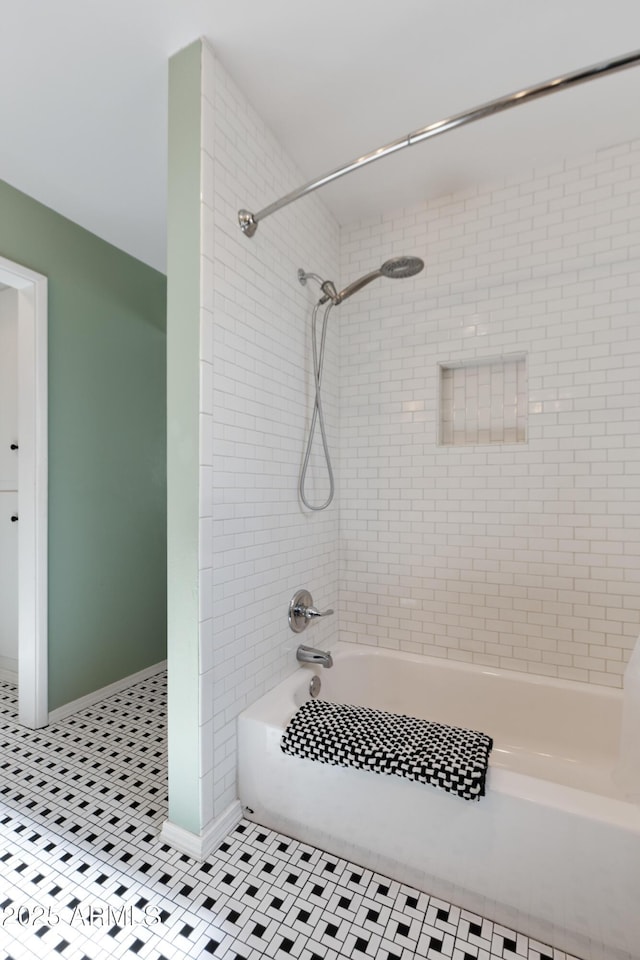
pixel 83 94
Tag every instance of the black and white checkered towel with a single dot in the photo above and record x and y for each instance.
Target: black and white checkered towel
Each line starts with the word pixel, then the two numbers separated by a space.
pixel 347 736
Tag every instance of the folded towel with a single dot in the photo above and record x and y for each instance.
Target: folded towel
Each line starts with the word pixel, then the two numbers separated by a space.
pixel 348 736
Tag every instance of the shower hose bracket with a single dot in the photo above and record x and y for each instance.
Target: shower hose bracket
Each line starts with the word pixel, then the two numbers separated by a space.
pixel 248 223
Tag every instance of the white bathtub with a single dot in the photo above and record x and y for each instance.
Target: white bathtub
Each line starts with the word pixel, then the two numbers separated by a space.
pixel 552 849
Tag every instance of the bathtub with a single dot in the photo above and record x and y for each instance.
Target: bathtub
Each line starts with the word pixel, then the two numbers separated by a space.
pixel 552 850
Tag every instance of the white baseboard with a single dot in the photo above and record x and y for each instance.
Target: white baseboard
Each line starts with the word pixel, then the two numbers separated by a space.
pixel 199 846
pixel 67 709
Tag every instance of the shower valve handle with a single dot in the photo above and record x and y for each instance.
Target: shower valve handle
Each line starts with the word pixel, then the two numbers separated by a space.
pixel 310 613
pixel 302 611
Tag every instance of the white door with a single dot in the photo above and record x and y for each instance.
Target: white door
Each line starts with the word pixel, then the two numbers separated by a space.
pixel 9 482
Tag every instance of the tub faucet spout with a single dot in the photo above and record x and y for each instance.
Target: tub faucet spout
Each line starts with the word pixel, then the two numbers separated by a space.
pixel 311 655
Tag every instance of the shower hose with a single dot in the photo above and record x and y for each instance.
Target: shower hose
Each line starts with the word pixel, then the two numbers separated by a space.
pixel 317 418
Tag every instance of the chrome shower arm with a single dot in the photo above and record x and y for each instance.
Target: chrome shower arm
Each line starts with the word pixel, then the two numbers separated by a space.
pixel 249 221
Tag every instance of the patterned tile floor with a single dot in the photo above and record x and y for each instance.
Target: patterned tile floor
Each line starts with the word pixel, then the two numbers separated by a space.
pixel 83 875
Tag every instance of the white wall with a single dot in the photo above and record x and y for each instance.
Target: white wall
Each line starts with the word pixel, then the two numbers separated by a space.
pixel 257 546
pixel 524 556
pixel 520 555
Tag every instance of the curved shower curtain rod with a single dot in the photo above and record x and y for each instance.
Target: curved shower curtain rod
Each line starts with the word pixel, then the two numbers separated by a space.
pixel 249 221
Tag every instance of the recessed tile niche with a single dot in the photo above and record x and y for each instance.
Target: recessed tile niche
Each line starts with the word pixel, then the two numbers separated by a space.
pixel 484 401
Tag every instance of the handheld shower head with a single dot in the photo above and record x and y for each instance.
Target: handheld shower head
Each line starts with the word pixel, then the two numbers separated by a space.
pixel 397 268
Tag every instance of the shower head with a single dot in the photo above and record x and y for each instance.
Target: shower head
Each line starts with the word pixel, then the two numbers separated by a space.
pixel 401 267
pixel 397 268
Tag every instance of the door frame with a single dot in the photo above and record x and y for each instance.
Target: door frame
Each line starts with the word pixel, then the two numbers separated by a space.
pixel 32 491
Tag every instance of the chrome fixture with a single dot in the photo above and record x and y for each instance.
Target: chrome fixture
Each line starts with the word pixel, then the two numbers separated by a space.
pixel 395 268
pixel 315 685
pixel 311 655
pixel 249 221
pixel 303 276
pixel 302 611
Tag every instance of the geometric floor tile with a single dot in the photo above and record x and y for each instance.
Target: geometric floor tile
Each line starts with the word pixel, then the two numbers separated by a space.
pixel 83 875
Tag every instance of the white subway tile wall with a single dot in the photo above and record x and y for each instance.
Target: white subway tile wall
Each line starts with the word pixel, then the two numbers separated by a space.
pixel 524 556
pixel 484 402
pixel 521 555
pixel 257 545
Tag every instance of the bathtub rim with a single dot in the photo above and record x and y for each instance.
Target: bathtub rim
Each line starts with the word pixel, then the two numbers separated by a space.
pixel 276 707
pixel 347 648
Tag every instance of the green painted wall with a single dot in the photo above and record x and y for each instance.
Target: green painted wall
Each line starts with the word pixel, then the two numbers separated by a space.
pixel 183 408
pixel 107 478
